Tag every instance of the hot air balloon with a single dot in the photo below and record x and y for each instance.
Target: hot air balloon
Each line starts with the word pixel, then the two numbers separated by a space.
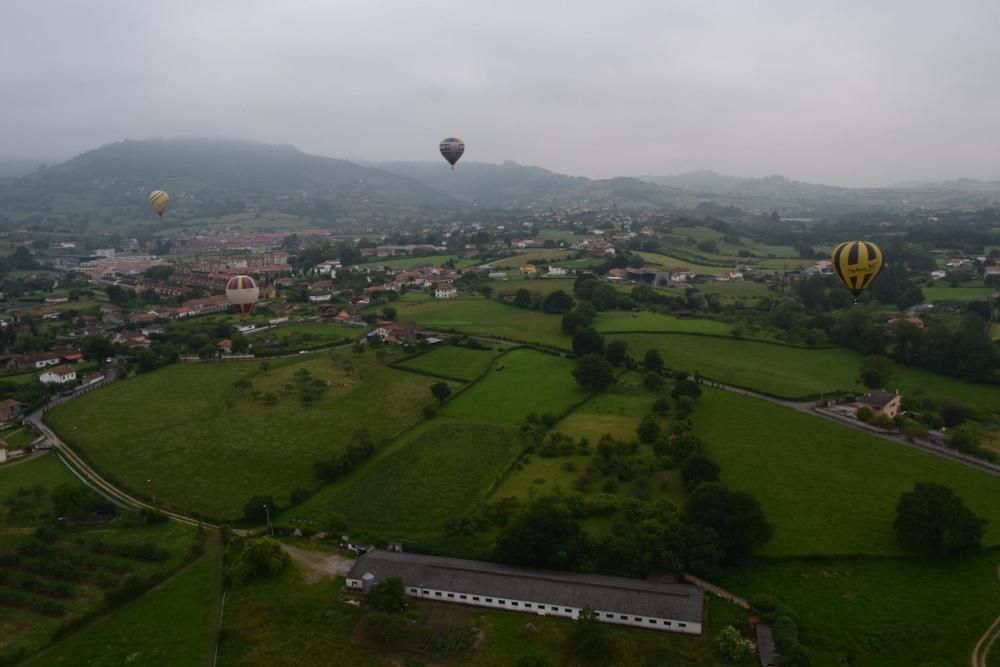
pixel 159 200
pixel 242 293
pixel 452 149
pixel 857 264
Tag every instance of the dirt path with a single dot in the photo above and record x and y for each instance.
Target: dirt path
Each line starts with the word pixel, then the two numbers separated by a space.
pixel 989 639
pixel 319 564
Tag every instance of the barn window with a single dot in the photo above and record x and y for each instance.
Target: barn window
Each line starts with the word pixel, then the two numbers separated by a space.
pixel 527 605
pixel 652 621
pixel 513 604
pixel 437 593
pixel 462 597
pixel 624 617
pixel 503 602
pixel 568 611
pixel 682 625
pixel 541 606
pixel 490 600
pixel 608 615
pixel 451 595
pixel 475 598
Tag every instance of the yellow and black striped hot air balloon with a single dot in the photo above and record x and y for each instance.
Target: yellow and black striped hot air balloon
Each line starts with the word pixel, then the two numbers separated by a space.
pixel 857 264
pixel 159 200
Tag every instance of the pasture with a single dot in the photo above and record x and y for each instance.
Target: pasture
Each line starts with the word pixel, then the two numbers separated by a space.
pixel 669 262
pixel 944 293
pixel 540 285
pixel 795 372
pixel 485 317
pixel 828 489
pixel 436 472
pixel 208 445
pixel 171 626
pixel 530 381
pixel 453 361
pixel 544 255
pixel 881 613
pixel 617 321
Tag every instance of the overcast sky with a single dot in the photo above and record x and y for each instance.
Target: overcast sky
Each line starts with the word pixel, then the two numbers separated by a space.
pixel 841 92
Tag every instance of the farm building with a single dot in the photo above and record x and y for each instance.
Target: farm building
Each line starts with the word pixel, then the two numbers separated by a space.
pixel 10 412
pixel 446 292
pixel 671 607
pixel 879 401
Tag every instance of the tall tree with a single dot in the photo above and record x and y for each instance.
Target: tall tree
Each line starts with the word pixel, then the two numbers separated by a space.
pixel 933 521
pixel 593 372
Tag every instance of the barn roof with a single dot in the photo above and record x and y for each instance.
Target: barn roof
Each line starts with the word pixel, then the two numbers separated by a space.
pixel 680 602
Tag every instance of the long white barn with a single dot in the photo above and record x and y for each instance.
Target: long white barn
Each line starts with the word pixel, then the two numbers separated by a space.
pixel 669 607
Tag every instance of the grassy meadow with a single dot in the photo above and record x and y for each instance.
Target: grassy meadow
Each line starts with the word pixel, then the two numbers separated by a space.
pixel 882 613
pixel 434 473
pixel 209 447
pixel 795 372
pixel 618 321
pixel 946 293
pixel 453 361
pixel 485 317
pixel 530 381
pixel 828 489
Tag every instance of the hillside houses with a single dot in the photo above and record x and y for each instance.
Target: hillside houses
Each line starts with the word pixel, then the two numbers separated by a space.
pixel 10 412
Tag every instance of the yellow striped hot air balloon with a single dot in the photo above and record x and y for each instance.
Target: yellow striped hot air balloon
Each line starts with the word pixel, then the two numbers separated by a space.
pixel 242 293
pixel 159 200
pixel 857 264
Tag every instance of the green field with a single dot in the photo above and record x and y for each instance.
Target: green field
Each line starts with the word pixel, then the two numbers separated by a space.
pixel 669 262
pixel 540 285
pixel 453 361
pixel 827 488
pixel 530 381
pixel 173 625
pixel 515 261
pixel 738 289
pixel 410 262
pixel 436 472
pixel 945 293
pixel 485 317
pixel 47 471
pixel 615 321
pixel 306 332
pixel 795 372
pixel 882 613
pixel 208 447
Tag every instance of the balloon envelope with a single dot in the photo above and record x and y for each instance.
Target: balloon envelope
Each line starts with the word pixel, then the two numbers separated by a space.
pixel 452 149
pixel 242 293
pixel 857 264
pixel 159 200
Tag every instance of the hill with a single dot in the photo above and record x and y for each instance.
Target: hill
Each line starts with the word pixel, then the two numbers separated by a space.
pixel 511 185
pixel 217 176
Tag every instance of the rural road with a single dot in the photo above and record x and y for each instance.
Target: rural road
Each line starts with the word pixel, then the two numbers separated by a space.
pixel 981 651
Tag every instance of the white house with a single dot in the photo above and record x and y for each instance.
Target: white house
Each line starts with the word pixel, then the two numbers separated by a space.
pixel 681 276
pixel 446 292
pixel 556 271
pixel 633 602
pixel 939 275
pixel 320 298
pixel 58 375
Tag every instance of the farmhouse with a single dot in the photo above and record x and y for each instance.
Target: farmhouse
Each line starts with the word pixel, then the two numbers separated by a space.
pixel 10 412
pixel 672 607
pixel 203 306
pixel 556 271
pixel 445 292
pixel 879 401
pixel 58 375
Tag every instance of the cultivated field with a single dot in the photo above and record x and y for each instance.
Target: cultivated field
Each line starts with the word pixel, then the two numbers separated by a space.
pixel 827 488
pixel 485 317
pixel 548 254
pixel 615 321
pixel 207 446
pixel 529 382
pixel 434 473
pixel 945 293
pixel 453 361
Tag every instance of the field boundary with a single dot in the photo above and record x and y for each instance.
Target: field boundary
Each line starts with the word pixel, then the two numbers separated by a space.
pixel 743 339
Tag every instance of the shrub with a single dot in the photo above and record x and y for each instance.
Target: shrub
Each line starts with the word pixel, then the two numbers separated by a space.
pixel 731 645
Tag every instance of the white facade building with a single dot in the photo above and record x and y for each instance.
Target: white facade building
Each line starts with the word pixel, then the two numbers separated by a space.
pixel 634 602
pixel 58 375
pixel 448 292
